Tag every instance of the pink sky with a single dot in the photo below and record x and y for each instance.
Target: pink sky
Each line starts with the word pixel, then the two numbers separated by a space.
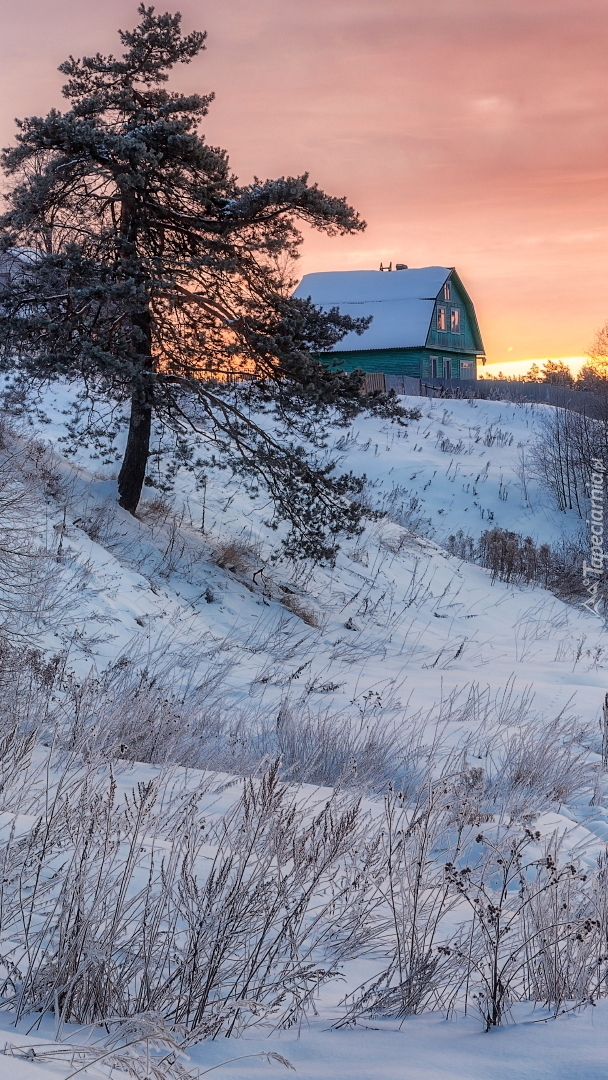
pixel 468 133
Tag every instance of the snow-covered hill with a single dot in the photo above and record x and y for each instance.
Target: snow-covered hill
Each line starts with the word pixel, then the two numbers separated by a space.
pixel 400 640
pixel 397 616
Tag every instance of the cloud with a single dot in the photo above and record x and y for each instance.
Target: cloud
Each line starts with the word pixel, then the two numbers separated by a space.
pixel 468 132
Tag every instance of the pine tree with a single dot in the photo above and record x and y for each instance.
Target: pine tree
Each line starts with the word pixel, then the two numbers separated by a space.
pixel 533 374
pixel 556 372
pixel 136 264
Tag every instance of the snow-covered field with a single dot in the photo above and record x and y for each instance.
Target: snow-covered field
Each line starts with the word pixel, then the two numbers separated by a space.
pixel 400 637
pixel 422 1048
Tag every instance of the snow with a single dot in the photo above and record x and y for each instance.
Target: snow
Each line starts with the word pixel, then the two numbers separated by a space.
pixel 400 626
pixel 396 324
pixel 422 624
pixel 401 303
pixel 429 1047
pixel 463 462
pixel 421 617
pixel 360 286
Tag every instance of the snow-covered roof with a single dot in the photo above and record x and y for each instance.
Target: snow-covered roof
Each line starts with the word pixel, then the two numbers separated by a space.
pixel 401 303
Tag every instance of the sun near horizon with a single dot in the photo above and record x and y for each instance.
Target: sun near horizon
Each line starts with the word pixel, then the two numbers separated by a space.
pixel 518 368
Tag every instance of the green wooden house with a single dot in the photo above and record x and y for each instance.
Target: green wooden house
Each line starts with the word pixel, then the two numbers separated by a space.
pixel 423 321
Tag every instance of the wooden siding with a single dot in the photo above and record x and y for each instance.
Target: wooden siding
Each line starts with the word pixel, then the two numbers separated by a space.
pixel 456 359
pixel 414 362
pixel 389 361
pixel 440 339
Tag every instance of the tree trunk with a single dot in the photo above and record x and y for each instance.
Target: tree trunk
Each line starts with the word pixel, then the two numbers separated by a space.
pixel 133 468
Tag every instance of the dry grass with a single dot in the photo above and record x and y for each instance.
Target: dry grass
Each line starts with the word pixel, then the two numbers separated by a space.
pixel 236 555
pixel 514 558
pixel 157 509
pixel 304 611
pixel 144 903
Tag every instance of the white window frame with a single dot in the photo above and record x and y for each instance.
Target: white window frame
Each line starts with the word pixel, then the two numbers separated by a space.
pixel 442 318
pixel 447 367
pixel 447 291
pixel 455 311
pixel 466 369
pixel 434 366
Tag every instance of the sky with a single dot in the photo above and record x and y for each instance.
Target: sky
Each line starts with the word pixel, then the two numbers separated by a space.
pixel 468 133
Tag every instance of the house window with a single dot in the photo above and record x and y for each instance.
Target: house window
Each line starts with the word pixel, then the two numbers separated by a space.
pixel 447 367
pixel 435 367
pixel 447 291
pixel 455 320
pixel 441 319
pixel 466 369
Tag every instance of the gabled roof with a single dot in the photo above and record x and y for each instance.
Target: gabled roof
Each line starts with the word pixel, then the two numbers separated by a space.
pixel 400 301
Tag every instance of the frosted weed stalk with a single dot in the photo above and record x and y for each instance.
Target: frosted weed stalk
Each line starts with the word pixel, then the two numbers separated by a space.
pixel 143 1048
pixel 130 900
pixel 137 905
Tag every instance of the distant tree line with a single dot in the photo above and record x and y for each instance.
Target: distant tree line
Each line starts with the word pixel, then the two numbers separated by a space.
pixel 592 376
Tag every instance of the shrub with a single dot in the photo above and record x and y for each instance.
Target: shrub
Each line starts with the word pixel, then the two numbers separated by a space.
pixel 297 606
pixel 121 900
pixel 518 560
pixel 236 555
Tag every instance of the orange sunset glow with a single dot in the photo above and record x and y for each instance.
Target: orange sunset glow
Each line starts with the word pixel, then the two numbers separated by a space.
pixel 468 133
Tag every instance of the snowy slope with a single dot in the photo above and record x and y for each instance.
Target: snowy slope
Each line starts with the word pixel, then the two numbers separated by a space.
pixel 418 619
pixel 463 462
pixel 399 633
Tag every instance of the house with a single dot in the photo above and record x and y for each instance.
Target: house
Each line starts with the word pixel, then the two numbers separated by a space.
pixel 423 321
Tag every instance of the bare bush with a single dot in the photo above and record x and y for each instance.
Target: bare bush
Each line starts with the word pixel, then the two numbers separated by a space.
pixel 119 908
pixel 337 751
pixel 132 901
pixel 141 709
pixel 564 450
pixel 519 560
pixel 147 709
pixel 125 902
pixel 566 931
pixel 540 764
pixel 416 898
pixel 557 457
pixel 237 555
pixel 517 898
pixel 300 607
